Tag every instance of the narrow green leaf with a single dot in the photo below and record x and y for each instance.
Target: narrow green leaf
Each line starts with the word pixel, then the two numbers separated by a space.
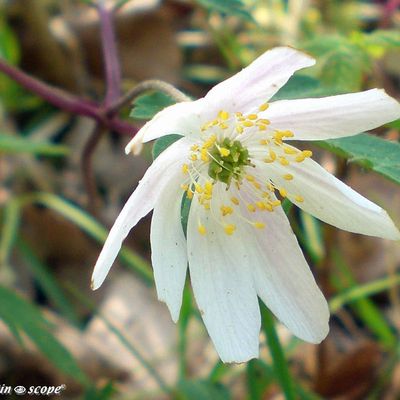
pixel 364 307
pixel 149 104
pixel 19 314
pixel 93 228
pixel 47 282
pixel 258 379
pixel 9 230
pixel 17 144
pixel 228 7
pixel 369 151
pixel 201 390
pixel 280 365
pixel 186 312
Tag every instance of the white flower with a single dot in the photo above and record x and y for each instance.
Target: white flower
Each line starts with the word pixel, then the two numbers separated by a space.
pixel 233 161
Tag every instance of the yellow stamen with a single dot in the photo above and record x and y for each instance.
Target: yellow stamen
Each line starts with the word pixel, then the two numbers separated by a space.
pixel 224 151
pixel 289 150
pixel 283 160
pixel 251 207
pixel 193 157
pixel 263 107
pixel 198 188
pixel 202 229
pixel 185 169
pixel 299 198
pixel 248 124
pixel 259 225
pixel 283 192
pixel 307 153
pixel 223 115
pixel 235 201
pixel 252 116
pixel 288 177
pixel 229 229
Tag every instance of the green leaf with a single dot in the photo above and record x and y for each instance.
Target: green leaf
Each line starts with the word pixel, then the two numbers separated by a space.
pixel 228 7
pixel 202 390
pixel 258 379
pixel 104 393
pixel 369 151
pixel 17 144
pixel 20 315
pixel 162 143
pixel 149 104
pixel 9 230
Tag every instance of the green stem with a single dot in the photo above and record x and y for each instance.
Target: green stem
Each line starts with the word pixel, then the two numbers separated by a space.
pixel 279 362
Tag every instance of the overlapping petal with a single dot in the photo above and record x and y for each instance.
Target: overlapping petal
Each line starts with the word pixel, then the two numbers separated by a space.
pixel 168 246
pixel 281 274
pixel 331 200
pixel 223 287
pixel 140 203
pixel 182 118
pixel 333 117
pixel 257 83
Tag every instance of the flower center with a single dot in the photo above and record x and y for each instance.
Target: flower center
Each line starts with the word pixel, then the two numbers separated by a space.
pixel 223 172
pixel 227 161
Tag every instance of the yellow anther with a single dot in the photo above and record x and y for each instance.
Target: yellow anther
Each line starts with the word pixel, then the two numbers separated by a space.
pixel 272 155
pixel 235 200
pixel 206 206
pixel 248 124
pixel 224 151
pixel 189 194
pixel 264 121
pixel 289 134
pixel 193 157
pixel 185 169
pixel 210 142
pixel 256 185
pixel 283 160
pixel 239 129
pixel 259 225
pixel 270 187
pixel 226 210
pixel 268 206
pixel 263 107
pixel 251 207
pixel 204 155
pixel 283 192
pixel 224 115
pixel 289 150
pixel 250 178
pixel 266 195
pixel 223 125
pixel 202 229
pixel 185 187
pixel 307 153
pixel 252 116
pixel 198 188
pixel 238 114
pixel 288 177
pixel 195 147
pixel 229 229
pixel 300 158
pixel 260 205
pixel 299 198
pixel 264 141
pixel 268 160
pixel 208 187
pixel 262 128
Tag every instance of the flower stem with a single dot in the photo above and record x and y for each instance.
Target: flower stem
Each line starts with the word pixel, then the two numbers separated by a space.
pixel 279 362
pixel 152 84
pixel 110 54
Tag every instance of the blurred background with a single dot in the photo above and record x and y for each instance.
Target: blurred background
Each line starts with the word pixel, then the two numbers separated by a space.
pixel 64 178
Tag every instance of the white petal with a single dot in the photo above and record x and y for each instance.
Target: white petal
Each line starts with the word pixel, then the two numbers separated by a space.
pixel 335 116
pixel 182 118
pixel 140 203
pixel 282 276
pixel 223 288
pixel 258 82
pixel 168 246
pixel 332 201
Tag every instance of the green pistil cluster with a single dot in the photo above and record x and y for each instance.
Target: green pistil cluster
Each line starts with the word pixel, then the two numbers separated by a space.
pixel 227 161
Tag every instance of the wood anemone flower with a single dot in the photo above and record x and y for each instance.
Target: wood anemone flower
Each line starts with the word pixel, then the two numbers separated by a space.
pixel 235 162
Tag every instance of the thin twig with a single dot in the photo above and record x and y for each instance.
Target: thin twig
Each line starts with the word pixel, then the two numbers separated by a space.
pixel 144 86
pixel 110 54
pixel 65 100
